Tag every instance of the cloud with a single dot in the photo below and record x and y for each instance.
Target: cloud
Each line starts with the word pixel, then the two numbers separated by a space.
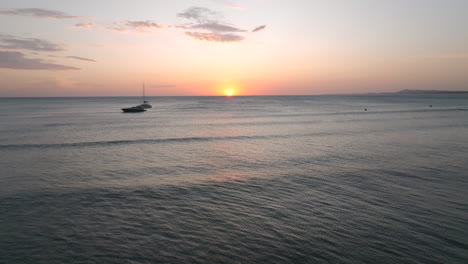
pixel 80 58
pixel 200 14
pixel 216 27
pixel 34 44
pixel 209 21
pixel 36 12
pixel 134 26
pixel 16 60
pixel 142 24
pixel 259 28
pixel 86 25
pixel 215 37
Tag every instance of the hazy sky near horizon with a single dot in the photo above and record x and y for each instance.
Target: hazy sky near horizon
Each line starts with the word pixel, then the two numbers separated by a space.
pixel 211 47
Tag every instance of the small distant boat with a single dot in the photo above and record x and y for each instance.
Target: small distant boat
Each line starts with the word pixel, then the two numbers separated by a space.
pixel 134 109
pixel 140 107
pixel 145 103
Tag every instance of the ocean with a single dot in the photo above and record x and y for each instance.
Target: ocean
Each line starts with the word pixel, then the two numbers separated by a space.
pixel 260 179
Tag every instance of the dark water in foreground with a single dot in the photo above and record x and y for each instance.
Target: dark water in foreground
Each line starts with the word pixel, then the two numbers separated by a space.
pixel 235 180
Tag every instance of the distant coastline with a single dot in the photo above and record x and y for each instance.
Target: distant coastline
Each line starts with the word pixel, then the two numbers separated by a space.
pixel 429 92
pixel 408 91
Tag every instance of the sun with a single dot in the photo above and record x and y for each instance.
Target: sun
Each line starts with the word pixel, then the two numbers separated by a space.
pixel 229 89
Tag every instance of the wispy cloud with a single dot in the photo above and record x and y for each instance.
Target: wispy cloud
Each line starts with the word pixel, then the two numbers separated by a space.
pixel 142 24
pixel 216 27
pixel 34 44
pixel 200 14
pixel 36 12
pixel 86 25
pixel 215 37
pixel 80 58
pixel 16 60
pixel 127 26
pixel 201 23
pixel 210 21
pixel 259 28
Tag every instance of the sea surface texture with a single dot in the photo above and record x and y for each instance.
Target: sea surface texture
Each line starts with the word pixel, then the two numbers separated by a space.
pixel 298 179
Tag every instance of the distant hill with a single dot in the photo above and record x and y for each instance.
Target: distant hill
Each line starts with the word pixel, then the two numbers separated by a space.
pixel 429 92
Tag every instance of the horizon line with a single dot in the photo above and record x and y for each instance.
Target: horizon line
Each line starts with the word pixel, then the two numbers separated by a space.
pixel 416 91
pixel 121 96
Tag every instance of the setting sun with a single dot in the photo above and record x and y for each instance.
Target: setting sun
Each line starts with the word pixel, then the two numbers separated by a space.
pixel 228 89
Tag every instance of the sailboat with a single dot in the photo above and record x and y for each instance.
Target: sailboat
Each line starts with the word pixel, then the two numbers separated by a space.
pixel 145 103
pixel 133 109
pixel 140 107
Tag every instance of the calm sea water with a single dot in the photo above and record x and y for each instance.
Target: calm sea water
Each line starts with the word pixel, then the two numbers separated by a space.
pixel 300 179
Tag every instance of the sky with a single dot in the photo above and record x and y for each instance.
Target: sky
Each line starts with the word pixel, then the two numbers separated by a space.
pixel 243 47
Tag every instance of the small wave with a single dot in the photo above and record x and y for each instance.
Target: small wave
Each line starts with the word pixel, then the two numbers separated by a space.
pixel 139 141
pixel 190 139
pixel 58 124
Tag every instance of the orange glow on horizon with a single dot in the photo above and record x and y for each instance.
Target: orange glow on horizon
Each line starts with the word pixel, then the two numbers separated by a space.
pixel 229 89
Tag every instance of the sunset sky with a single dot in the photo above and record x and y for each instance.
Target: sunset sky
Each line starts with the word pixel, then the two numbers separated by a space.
pixel 245 47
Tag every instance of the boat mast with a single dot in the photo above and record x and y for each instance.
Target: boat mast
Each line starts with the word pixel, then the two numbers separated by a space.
pixel 143 92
